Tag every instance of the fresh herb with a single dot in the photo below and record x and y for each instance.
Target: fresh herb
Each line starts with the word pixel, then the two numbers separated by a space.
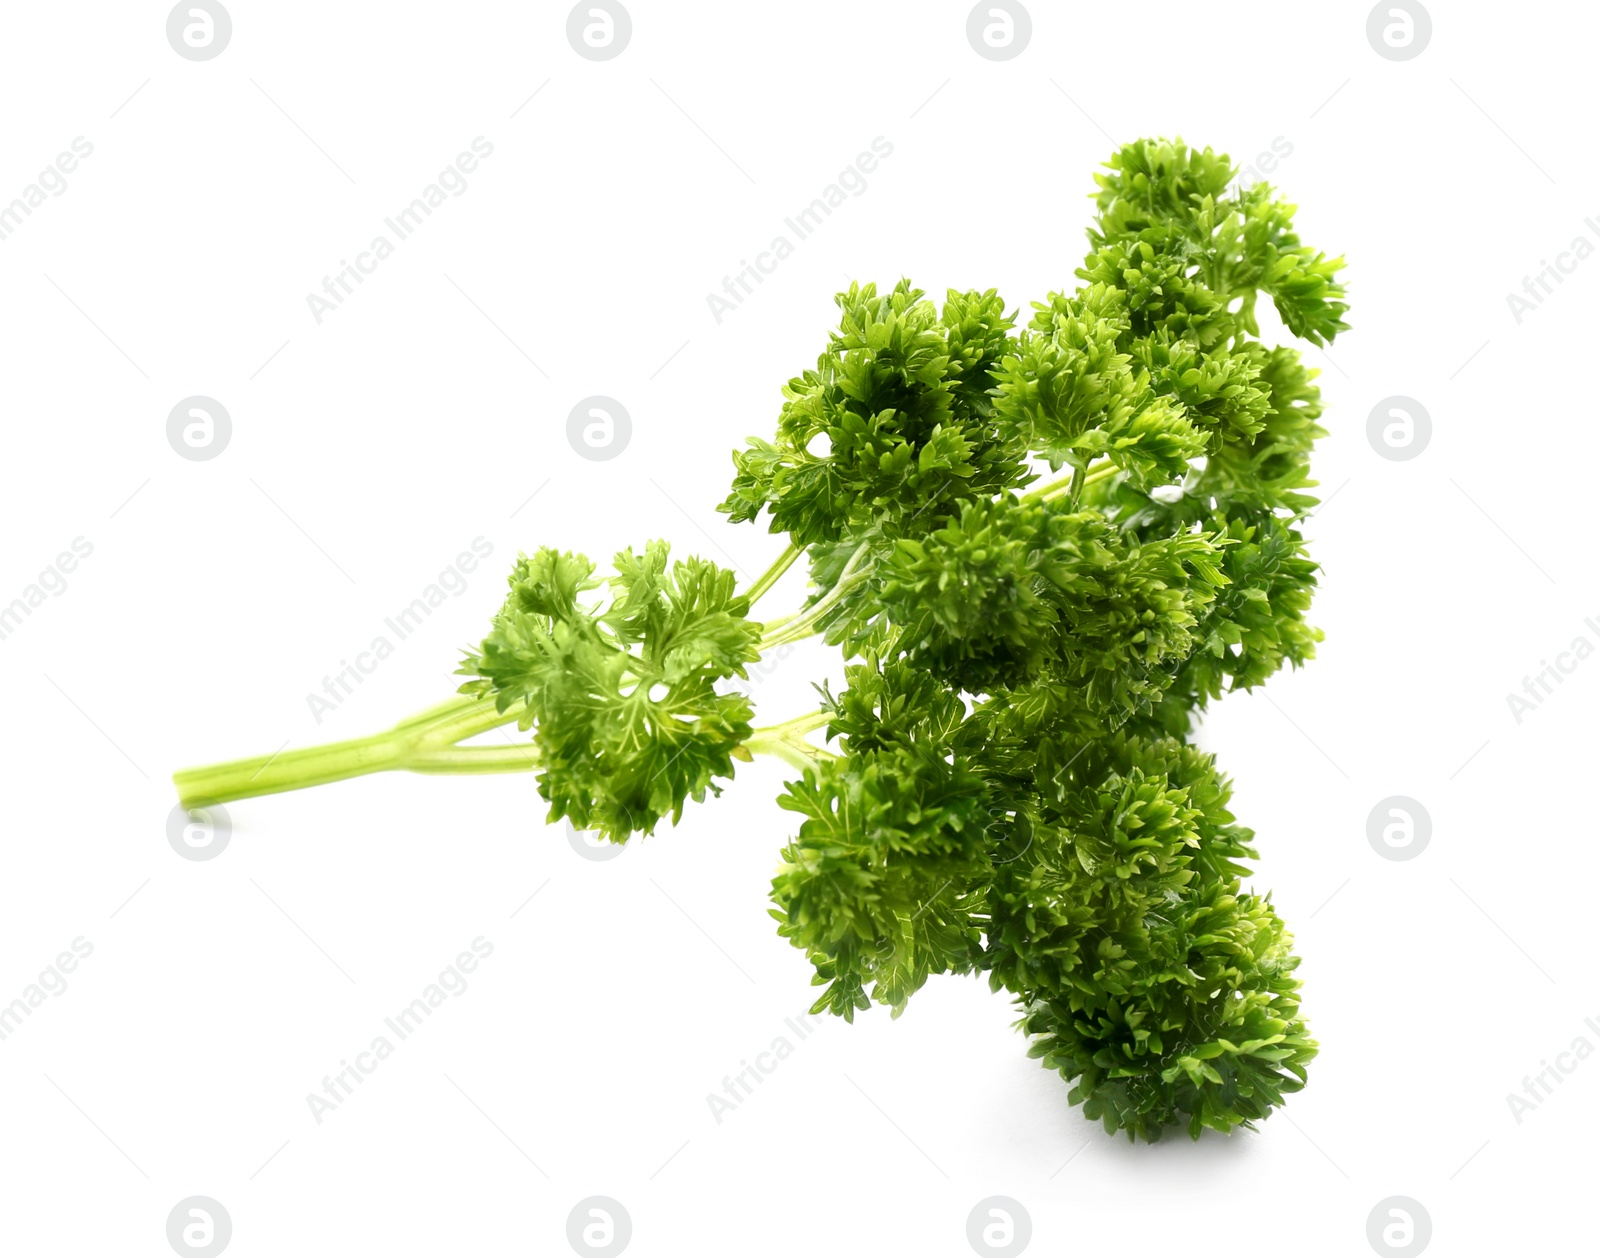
pixel 1010 788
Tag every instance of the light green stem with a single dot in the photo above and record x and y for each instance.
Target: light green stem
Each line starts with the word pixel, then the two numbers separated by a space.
pixel 786 740
pixel 1045 493
pixel 512 758
pixel 769 578
pixel 796 725
pixel 792 629
pixel 423 743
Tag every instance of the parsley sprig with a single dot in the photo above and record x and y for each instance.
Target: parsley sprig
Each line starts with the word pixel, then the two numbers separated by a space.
pixel 1008 788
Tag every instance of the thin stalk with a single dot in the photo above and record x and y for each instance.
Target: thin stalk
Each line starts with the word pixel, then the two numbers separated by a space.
pixel 786 740
pixel 512 758
pixel 1044 493
pixel 477 716
pixel 769 578
pixel 802 724
pixel 801 626
pixel 420 742
pixel 789 752
pixel 428 716
pixel 795 752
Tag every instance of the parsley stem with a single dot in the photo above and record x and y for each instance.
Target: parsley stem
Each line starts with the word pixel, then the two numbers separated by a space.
pixel 793 629
pixel 795 752
pixel 424 743
pixel 511 758
pixel 769 578
pixel 451 707
pixel 786 740
pixel 1044 493
pixel 792 752
pixel 796 725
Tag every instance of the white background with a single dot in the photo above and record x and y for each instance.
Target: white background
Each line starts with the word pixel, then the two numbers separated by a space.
pixel 369 450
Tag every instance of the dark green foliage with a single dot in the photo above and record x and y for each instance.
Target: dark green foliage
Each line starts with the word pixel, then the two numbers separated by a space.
pixel 1006 594
pixel 901 396
pixel 1013 792
pixel 879 886
pixel 1055 646
pixel 1149 977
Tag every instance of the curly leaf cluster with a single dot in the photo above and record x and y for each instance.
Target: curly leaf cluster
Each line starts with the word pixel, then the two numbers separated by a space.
pixel 628 722
pixel 1016 794
pixel 895 418
pixel 1014 791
